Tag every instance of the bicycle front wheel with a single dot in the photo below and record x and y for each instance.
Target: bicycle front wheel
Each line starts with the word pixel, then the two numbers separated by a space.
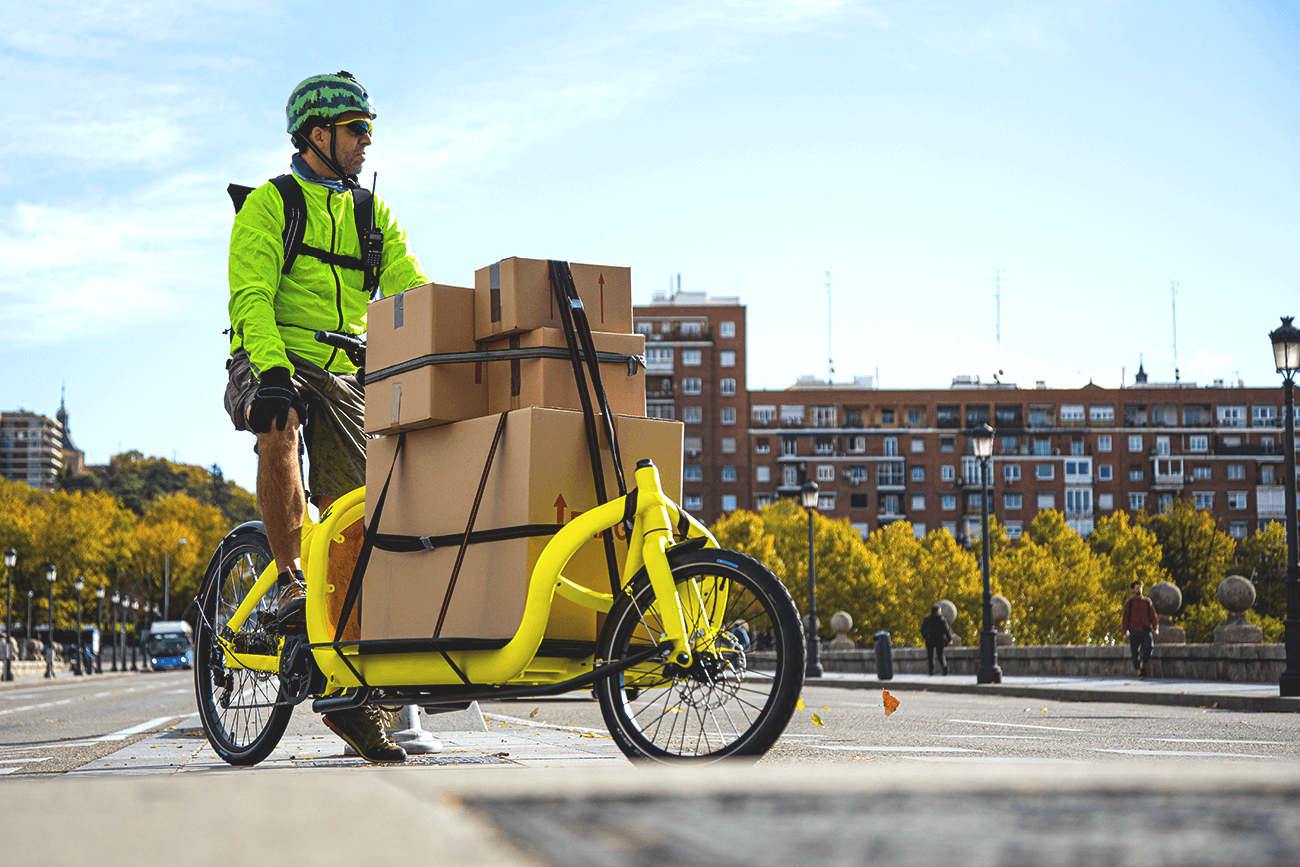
pixel 241 709
pixel 735 699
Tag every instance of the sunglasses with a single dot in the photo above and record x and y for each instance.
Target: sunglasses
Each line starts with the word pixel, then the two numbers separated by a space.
pixel 360 126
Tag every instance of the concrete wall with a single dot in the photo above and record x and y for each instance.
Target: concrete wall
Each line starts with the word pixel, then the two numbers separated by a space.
pixel 1261 663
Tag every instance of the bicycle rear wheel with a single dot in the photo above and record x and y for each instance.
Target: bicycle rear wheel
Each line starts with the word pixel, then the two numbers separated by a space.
pixel 731 701
pixel 241 709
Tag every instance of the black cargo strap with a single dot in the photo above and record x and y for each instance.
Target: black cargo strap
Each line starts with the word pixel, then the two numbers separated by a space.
pixel 634 362
pixel 400 544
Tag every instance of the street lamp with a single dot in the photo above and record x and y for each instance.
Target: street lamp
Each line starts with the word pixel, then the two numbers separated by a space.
pixel 79 584
pixel 1286 354
pixel 99 651
pixel 115 618
pixel 135 631
pixel 11 560
pixel 808 493
pixel 50 574
pixel 981 440
pixel 28 635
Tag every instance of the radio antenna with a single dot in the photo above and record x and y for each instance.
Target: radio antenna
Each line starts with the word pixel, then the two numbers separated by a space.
pixel 1173 309
pixel 830 358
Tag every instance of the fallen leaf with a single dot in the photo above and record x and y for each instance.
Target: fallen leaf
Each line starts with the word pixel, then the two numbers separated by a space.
pixel 500 755
pixel 891 703
pixel 817 721
pixel 586 735
pixel 799 704
pixel 533 715
pixel 825 708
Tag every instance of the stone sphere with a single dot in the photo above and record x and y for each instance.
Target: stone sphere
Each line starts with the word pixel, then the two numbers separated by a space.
pixel 1167 598
pixel 948 610
pixel 1001 608
pixel 1236 593
pixel 841 621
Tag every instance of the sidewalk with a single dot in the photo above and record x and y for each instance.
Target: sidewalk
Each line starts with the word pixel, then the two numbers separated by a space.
pixel 1250 697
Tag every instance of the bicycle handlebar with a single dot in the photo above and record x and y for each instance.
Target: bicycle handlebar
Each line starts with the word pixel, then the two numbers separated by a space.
pixel 354 346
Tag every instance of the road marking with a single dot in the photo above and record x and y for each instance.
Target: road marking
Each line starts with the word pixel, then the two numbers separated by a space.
pixel 979 722
pixel 135 730
pixel 860 749
pixel 8 770
pixel 1217 741
pixel 35 706
pixel 537 725
pixel 1182 753
pixel 1001 737
pixel 175 691
pixel 994 760
pixel 17 761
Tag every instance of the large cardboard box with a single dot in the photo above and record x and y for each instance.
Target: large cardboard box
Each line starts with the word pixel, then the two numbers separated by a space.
pixel 520 383
pixel 426 320
pixel 541 475
pixel 515 295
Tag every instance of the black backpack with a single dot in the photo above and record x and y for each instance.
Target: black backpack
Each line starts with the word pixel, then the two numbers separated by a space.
pixel 295 228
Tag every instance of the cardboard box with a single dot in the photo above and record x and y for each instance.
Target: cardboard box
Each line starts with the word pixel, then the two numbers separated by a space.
pixel 520 383
pixel 541 474
pixel 426 320
pixel 515 295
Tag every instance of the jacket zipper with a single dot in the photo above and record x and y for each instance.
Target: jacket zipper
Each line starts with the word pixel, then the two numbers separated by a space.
pixel 338 285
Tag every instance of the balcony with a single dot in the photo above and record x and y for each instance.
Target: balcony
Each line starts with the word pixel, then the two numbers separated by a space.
pixel 679 334
pixel 1250 449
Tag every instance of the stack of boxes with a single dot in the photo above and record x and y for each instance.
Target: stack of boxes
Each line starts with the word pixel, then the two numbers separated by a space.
pixel 541 473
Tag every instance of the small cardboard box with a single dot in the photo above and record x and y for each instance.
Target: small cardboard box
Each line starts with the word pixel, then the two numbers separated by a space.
pixel 520 383
pixel 426 320
pixel 515 295
pixel 541 474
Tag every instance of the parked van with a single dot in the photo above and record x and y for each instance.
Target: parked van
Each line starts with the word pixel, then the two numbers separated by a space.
pixel 170 645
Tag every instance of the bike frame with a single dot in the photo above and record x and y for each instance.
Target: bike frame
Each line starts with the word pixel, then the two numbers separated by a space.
pixel 345 667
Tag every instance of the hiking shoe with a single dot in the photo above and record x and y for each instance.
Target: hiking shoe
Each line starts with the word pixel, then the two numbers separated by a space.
pixel 291 600
pixel 363 729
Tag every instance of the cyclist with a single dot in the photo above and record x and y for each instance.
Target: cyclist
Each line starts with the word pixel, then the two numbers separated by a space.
pixel 279 376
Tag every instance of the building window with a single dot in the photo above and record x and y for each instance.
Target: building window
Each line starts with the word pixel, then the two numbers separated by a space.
pixel 1101 412
pixel 825 473
pixel 692 414
pixel 789 447
pixel 825 502
pixel 728 502
pixel 692 385
pixel 728 415
pixel 1012 501
pixel 1015 529
pixel 692 446
pixel 889 473
pixel 1104 472
pixel 728 445
pixel 1137 502
pixel 1045 471
pixel 789 477
pixel 1103 443
pixel 1135 442
pixel 1165 503
pixel 1232 416
pixel 918 502
pixel 1237 529
pixel 1267 474
pixel 659 410
pixel 1263 416
pixel 692 329
pixel 887 416
pixel 948 502
pixel 857 444
pixel 659 356
pixel 1236 472
pixel 1135 474
pixel 1076 447
pixel 727 358
pixel 1071 412
pixel 1008 445
pixel 918 530
pixel 947 444
pixel 694 502
pixel 762 446
pixel 1200 473
pixel 763 414
pixel 691 473
pixel 728 387
pixel 1042 447
pixel 1203 499
pixel 645 328
pixel 918 444
pixel 1078 472
pixel 947 473
pixel 728 474
pixel 727 329
pixel 1078 501
pixel 691 357
pixel 762 475
pixel 1046 501
pixel 857 501
pixel 918 474
pixel 913 416
pixel 1236 499
pixel 1106 501
pixel 950 527
pixel 1198 443
pixel 975 501
pixel 824 416
pixel 891 447
pixel 1011 472
pixel 791 415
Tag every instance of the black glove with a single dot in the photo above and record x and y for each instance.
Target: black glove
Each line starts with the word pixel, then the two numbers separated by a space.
pixel 275 397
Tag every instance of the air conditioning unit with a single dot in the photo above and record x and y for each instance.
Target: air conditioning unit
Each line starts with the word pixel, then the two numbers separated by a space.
pixel 1056 451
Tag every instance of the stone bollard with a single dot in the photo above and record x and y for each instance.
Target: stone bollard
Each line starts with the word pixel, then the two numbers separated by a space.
pixel 841 622
pixel 1001 614
pixel 1237 594
pixel 1167 599
pixel 949 612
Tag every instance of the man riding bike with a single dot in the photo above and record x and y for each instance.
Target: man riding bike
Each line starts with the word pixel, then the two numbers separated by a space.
pixel 306 252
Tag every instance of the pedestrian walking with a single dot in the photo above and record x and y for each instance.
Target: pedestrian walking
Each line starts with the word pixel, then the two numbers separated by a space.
pixel 1141 625
pixel 937 635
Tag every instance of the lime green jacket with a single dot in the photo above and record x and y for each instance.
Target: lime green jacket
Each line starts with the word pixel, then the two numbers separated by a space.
pixel 271 312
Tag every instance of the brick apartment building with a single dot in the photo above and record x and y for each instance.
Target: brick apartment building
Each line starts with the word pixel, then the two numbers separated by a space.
pixel 880 456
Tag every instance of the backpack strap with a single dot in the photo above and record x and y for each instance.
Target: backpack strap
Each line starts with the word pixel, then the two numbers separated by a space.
pixel 371 238
pixel 295 218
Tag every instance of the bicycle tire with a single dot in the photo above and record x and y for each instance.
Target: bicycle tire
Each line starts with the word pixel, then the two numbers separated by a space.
pixel 722 707
pixel 241 710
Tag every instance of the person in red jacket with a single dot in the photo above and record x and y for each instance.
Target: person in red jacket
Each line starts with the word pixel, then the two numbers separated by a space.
pixel 1141 625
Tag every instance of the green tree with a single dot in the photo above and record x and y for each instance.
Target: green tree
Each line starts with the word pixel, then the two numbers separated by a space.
pixel 1262 559
pixel 160 552
pixel 1194 552
pixel 137 481
pixel 1131 553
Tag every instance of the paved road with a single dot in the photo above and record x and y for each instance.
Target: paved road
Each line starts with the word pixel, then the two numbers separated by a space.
pixel 49 727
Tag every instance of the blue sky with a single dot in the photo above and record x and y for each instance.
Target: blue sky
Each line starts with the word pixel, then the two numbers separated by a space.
pixel 1093 150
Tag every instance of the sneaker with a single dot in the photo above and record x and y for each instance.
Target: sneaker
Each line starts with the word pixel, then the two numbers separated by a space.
pixel 363 729
pixel 290 599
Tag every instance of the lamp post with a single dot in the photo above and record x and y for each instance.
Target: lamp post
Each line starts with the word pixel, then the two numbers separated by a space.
pixel 51 573
pixel 135 632
pixel 99 651
pixel 79 584
pixel 11 559
pixel 114 618
pixel 1286 354
pixel 808 493
pixel 30 594
pixel 982 444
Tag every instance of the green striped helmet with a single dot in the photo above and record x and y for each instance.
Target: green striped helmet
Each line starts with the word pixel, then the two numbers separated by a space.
pixel 326 97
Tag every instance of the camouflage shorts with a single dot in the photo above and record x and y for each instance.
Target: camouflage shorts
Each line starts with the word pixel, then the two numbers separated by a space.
pixel 336 444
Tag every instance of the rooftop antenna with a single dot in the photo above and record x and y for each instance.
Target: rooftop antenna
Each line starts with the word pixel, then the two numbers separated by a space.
pixel 1173 307
pixel 997 297
pixel 830 358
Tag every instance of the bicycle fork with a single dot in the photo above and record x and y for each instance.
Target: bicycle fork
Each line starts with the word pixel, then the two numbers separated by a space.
pixel 657 537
